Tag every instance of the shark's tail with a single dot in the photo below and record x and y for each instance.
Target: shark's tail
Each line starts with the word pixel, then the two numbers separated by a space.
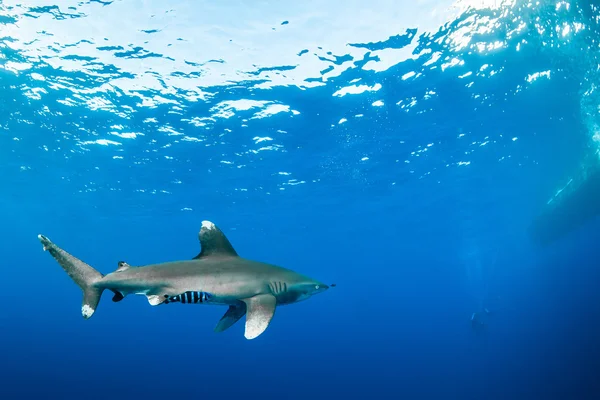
pixel 84 276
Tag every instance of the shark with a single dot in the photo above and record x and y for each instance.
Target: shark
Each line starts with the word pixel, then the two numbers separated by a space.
pixel 216 276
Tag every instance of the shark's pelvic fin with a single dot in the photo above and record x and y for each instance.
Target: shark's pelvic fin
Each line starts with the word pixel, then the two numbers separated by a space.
pixel 213 242
pixel 155 299
pixel 233 314
pixel 261 309
pixel 82 274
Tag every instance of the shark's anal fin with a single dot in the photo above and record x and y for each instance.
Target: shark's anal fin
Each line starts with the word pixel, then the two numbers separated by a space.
pixel 118 296
pixel 260 311
pixel 233 314
pixel 213 242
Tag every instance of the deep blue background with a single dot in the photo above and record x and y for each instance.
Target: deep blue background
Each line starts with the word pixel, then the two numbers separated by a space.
pixel 404 248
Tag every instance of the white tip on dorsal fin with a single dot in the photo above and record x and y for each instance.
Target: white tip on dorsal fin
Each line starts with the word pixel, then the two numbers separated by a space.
pixel 122 266
pixel 208 225
pixel 213 242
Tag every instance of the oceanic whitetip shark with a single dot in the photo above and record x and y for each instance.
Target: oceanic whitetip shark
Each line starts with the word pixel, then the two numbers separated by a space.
pixel 217 275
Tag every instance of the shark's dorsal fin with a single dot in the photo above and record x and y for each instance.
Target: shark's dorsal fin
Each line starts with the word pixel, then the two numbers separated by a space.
pixel 122 266
pixel 213 242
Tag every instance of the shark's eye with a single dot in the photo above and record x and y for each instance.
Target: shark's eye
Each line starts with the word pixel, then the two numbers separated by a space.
pixel 317 287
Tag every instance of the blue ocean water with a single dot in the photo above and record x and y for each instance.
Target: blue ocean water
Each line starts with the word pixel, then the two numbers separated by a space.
pixel 398 149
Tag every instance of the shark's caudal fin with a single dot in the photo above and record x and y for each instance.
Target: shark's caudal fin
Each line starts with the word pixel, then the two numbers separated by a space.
pixel 83 275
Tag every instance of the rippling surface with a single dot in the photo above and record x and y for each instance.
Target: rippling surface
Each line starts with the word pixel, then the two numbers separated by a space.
pixel 255 100
pixel 381 113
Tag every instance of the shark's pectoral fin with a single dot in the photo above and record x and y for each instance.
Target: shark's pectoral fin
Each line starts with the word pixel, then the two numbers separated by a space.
pixel 233 314
pixel 260 310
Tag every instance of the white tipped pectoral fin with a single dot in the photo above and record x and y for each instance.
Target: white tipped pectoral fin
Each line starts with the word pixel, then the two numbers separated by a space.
pixel 260 311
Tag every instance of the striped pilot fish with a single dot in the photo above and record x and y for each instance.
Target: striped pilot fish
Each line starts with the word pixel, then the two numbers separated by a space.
pixel 189 298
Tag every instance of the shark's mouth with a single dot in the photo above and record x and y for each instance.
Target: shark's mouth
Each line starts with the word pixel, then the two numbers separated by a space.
pixel 192 297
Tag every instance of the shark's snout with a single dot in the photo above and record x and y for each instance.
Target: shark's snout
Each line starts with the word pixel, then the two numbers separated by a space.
pixel 320 288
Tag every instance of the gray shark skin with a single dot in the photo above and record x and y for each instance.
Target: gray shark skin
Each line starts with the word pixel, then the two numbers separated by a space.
pixel 216 276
